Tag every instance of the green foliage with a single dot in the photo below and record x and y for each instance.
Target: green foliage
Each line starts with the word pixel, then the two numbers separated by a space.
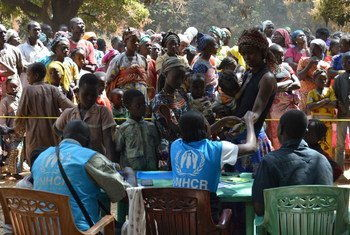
pixel 99 15
pixel 336 11
pixel 238 15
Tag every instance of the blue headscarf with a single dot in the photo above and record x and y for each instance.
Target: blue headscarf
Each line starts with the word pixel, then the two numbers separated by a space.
pixel 296 33
pixel 202 41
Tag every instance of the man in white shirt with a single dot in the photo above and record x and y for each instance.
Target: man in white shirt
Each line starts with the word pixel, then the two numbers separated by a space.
pixel 33 49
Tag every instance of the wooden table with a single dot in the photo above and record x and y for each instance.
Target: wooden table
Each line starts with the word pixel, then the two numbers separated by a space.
pixel 232 188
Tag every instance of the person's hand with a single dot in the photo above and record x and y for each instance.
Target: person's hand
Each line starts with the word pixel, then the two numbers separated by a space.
pixel 129 176
pixel 230 121
pixel 326 101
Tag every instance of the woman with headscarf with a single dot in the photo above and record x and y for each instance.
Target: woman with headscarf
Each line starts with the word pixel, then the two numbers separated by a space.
pixel 92 37
pixel 128 70
pixel 60 49
pixel 145 50
pixel 58 76
pixel 170 103
pixel 308 65
pixel 281 37
pixel 207 47
pixel 260 87
pixel 287 96
pixel 170 43
pixel 107 58
pixel 12 37
pixel 300 49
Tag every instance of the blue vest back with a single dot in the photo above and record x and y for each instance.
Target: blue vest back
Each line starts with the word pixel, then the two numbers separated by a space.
pixel 197 164
pixel 47 177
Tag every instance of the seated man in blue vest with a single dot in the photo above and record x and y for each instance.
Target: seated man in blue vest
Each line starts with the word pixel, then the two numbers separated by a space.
pixel 87 170
pixel 293 164
pixel 197 161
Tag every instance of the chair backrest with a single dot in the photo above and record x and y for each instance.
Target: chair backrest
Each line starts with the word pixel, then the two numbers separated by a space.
pixel 307 209
pixel 177 211
pixel 38 212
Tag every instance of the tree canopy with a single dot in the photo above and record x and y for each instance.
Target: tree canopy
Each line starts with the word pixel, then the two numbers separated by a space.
pixel 106 15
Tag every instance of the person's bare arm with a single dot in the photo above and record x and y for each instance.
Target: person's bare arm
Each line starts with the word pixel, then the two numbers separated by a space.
pixel 250 145
pixel 108 143
pixel 325 103
pixel 295 85
pixel 292 63
pixel 229 121
pixel 267 87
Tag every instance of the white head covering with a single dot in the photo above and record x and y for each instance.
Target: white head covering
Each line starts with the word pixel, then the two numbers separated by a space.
pixel 10 33
pixel 266 23
pixel 191 33
pixel 183 38
pixel 318 42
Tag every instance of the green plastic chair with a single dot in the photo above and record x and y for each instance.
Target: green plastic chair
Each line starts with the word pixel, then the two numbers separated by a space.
pixel 305 210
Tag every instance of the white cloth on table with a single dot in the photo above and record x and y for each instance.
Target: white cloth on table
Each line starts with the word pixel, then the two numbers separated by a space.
pixel 137 216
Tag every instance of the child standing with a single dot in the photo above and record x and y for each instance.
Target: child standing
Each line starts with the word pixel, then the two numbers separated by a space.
pixel 39 100
pixel 137 140
pixel 321 101
pixel 118 110
pixel 342 91
pixel 98 118
pixel 12 145
pixel 197 99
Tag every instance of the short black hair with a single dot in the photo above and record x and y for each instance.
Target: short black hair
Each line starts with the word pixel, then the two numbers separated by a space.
pixel 75 51
pixel 322 32
pixel 197 77
pixel 31 23
pixel 228 81
pixel 101 44
pixel 294 124
pixel 193 126
pixel 35 154
pixel 39 69
pixel 77 130
pixel 318 128
pixel 89 79
pixel 72 21
pixel 226 62
pixel 129 96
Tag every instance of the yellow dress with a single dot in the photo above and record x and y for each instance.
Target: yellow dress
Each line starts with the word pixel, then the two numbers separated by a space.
pixel 324 113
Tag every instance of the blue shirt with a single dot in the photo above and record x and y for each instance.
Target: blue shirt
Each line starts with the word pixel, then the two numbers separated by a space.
pixel 198 164
pixel 293 164
pixel 337 62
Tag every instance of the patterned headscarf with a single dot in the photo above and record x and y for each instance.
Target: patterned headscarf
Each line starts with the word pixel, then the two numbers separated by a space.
pixel 203 40
pixel 256 39
pixel 227 33
pixel 170 36
pixel 58 38
pixel 286 36
pixel 217 31
pixel 65 81
pixel 145 38
pixel 170 63
pixel 129 32
pixel 318 42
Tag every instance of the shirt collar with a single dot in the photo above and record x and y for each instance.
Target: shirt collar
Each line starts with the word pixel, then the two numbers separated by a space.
pixel 70 141
pixel 132 121
pixel 295 142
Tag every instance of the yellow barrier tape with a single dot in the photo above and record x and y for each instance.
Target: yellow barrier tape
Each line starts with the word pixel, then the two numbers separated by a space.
pixel 150 119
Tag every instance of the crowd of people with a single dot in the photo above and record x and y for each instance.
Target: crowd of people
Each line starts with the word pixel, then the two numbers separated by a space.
pixel 208 102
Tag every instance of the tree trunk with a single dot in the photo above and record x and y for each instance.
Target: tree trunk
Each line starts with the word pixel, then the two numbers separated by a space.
pixel 57 13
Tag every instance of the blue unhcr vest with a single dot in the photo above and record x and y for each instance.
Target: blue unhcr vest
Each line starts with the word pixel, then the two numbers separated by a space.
pixel 47 177
pixel 197 164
